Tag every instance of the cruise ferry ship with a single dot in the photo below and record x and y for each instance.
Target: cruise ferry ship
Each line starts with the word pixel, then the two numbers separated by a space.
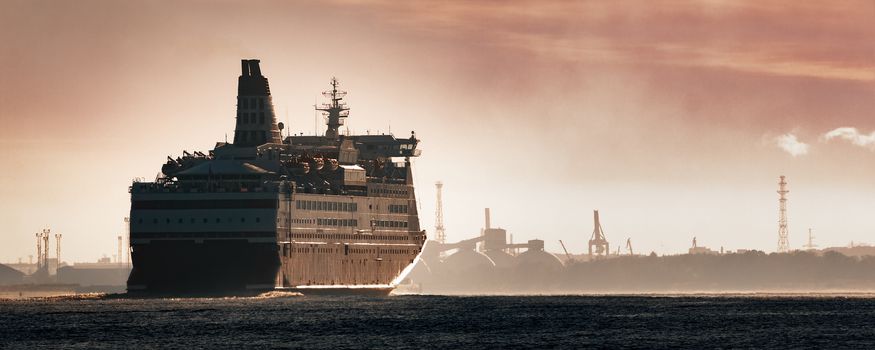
pixel 312 214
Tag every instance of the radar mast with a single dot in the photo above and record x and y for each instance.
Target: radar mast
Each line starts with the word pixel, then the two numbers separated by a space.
pixel 334 111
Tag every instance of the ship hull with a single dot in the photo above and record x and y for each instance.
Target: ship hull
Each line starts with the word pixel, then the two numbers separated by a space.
pixel 217 266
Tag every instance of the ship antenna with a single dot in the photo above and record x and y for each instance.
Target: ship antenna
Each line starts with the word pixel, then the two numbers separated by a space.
pixel 335 110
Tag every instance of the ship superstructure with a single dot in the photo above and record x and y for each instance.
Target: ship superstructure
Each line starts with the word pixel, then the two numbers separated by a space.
pixel 307 213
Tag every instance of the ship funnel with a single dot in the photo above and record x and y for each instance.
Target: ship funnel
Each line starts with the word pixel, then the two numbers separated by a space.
pixel 244 64
pixel 250 68
pixel 256 120
pixel 254 69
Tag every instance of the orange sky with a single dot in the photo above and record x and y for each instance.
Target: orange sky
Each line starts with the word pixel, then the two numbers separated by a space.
pixel 673 118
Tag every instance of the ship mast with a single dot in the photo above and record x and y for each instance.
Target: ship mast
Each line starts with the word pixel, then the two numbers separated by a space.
pixel 335 111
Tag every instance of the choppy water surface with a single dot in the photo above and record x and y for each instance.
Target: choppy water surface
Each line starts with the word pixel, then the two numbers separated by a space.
pixel 440 322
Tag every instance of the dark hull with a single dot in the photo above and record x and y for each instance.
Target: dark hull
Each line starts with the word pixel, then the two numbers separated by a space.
pixel 215 267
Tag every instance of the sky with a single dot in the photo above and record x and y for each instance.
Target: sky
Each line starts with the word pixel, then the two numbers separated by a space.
pixel 673 118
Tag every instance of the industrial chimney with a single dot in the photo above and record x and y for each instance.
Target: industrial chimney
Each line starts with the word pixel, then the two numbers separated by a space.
pixel 488 223
pixel 256 120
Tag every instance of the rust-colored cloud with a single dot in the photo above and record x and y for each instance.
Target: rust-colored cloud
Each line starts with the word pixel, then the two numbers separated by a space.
pixel 785 38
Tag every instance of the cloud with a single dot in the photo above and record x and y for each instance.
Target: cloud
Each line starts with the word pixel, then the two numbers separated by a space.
pixel 853 136
pixel 789 143
pixel 779 38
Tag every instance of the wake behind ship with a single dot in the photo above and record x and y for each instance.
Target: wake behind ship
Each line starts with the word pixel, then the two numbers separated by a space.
pixel 306 213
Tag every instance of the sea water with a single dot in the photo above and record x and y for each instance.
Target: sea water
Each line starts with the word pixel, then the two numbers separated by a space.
pixel 422 321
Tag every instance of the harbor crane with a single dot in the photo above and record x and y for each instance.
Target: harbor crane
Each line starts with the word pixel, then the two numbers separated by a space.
pixel 598 240
pixel 567 255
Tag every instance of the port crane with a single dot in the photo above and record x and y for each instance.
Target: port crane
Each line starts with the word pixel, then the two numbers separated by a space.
pixel 570 258
pixel 598 240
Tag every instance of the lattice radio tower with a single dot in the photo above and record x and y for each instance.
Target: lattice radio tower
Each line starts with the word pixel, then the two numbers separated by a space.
pixel 783 244
pixel 440 234
pixel 39 250
pixel 42 249
pixel 810 245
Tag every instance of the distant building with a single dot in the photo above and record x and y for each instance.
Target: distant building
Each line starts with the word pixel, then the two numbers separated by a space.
pixel 702 250
pixel 100 274
pixel 9 275
pixel 854 250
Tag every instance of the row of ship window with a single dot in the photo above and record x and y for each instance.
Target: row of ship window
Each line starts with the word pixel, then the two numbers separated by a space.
pixel 337 222
pixel 404 146
pixel 318 221
pixel 385 223
pixel 398 208
pixel 326 206
pixel 345 222
pixel 348 222
pixel 323 236
pixel 355 223
pixel 352 251
pixel 388 191
pixel 193 220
